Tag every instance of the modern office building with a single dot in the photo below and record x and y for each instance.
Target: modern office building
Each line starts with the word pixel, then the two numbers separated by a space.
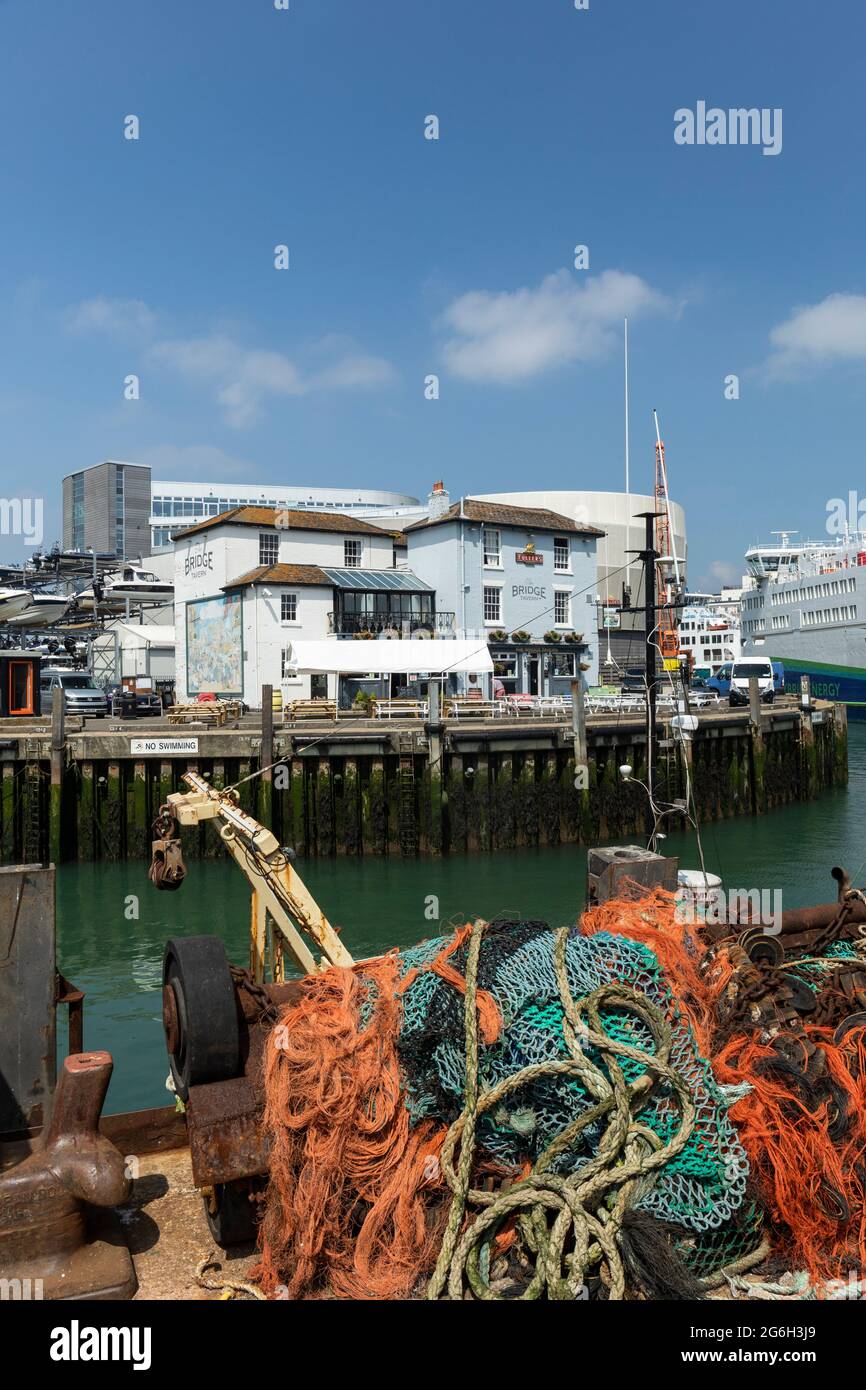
pixel 106 508
pixel 119 507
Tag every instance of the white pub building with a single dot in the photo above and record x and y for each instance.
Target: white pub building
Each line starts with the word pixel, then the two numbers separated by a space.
pixel 250 583
pixel 295 598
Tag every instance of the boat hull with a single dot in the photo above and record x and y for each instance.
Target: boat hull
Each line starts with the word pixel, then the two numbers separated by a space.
pixel 40 615
pixel 137 593
pixel 11 604
pixel 846 685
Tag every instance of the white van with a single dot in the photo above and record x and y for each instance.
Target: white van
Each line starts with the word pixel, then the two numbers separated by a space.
pixel 741 673
pixel 82 696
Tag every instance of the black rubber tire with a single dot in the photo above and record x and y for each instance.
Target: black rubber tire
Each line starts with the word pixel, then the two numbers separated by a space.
pixel 196 969
pixel 234 1217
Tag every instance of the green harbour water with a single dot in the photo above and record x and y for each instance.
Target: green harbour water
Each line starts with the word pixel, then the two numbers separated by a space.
pixel 379 903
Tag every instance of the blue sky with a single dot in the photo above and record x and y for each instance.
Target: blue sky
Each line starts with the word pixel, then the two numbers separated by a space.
pixel 410 257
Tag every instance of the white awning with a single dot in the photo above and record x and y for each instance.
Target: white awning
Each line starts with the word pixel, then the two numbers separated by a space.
pixel 353 657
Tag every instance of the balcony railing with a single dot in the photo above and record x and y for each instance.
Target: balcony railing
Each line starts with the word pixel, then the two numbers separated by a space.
pixel 348 624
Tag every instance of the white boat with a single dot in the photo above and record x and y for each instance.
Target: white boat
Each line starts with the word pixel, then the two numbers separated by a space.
pixel 131 584
pixel 807 609
pixel 13 601
pixel 709 630
pixel 43 610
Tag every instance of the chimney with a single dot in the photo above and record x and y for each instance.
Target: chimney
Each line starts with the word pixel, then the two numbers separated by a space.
pixel 438 500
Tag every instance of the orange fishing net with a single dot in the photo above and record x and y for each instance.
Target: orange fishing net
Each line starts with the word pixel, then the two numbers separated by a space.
pixel 814 1187
pixel 355 1205
pixel 349 1209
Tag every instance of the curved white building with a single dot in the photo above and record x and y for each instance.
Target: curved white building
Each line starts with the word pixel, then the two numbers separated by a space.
pixel 192 503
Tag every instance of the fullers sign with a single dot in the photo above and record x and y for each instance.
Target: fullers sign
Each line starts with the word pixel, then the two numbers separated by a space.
pixel 529 556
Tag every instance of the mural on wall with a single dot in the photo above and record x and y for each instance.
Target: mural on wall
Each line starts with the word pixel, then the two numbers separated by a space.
pixel 214 646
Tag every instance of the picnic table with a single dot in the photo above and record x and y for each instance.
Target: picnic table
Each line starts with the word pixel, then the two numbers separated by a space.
pixel 198 712
pixel 311 709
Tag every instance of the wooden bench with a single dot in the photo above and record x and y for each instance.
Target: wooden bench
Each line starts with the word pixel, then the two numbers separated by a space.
pixel 208 712
pixel 311 709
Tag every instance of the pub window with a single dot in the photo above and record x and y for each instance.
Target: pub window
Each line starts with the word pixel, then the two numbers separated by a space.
pixel 269 548
pixel 492 604
pixel 353 554
pixel 561 553
pixel 289 608
pixel 492 547
pixel 562 608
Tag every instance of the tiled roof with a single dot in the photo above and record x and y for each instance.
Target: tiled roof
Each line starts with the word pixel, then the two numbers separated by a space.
pixel 500 514
pixel 294 520
pixel 331 578
pixel 281 574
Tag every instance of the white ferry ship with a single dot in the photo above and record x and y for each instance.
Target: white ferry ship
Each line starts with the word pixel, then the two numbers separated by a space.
pixel 709 630
pixel 808 610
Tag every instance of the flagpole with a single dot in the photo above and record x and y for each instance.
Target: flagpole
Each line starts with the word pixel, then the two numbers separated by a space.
pixel 627 480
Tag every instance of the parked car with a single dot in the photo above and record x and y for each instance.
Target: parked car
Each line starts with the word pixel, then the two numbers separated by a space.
pixel 633 681
pixel 721 681
pixel 743 671
pixel 82 695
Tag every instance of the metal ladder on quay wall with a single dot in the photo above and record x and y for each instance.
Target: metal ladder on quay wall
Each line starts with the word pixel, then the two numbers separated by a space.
pixel 31 829
pixel 408 799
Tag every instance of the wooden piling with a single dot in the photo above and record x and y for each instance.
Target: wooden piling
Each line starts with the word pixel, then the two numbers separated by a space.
pixel 58 763
pixel 8 838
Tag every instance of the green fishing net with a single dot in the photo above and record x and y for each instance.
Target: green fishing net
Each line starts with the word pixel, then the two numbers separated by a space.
pixel 701 1190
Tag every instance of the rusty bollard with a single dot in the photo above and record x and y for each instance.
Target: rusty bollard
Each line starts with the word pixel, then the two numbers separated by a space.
pixel 46 1236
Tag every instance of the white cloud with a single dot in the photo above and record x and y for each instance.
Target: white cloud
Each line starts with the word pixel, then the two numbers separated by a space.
pixel 244 378
pixel 355 371
pixel 509 336
pixel 119 317
pixel 818 334
pixel 205 461
pixel 725 572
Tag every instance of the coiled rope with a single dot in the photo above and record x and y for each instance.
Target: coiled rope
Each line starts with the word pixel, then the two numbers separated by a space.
pixel 568 1225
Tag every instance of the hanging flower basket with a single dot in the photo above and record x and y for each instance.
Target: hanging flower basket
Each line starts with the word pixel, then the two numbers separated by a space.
pixel 553 636
pixel 364 636
pixel 575 637
pixel 498 635
pixel 521 636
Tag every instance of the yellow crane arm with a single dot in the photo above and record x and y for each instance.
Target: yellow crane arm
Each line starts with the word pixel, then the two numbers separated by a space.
pixel 279 892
